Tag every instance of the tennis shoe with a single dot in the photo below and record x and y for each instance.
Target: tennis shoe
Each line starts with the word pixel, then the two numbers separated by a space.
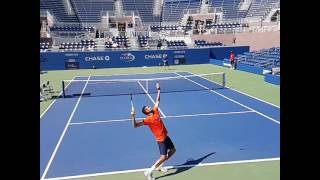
pixel 149 175
pixel 162 169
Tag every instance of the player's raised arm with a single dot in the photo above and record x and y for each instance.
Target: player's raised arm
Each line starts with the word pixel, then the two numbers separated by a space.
pixel 133 115
pixel 134 122
pixel 158 96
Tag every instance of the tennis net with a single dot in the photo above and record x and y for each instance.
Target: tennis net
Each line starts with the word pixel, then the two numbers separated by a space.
pixel 179 83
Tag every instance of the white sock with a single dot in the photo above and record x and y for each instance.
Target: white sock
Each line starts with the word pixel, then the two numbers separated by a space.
pixel 152 168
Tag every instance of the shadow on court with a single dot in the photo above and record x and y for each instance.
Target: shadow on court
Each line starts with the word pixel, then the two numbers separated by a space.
pixel 189 164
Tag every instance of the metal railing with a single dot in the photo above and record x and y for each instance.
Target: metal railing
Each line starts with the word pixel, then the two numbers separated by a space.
pixel 198 10
pixel 123 13
pixel 48 13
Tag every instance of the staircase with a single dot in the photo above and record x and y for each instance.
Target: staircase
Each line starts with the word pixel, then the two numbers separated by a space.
pixel 100 43
pixel 157 7
pixel 68 7
pixel 270 14
pixel 272 11
pixel 245 5
pixel 118 7
pixel 184 19
pixel 204 7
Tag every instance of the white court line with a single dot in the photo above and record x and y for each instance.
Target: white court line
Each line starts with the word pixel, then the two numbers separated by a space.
pixel 151 99
pixel 177 116
pixel 233 101
pixel 55 99
pixel 136 74
pixel 168 167
pixel 240 92
pixel 63 133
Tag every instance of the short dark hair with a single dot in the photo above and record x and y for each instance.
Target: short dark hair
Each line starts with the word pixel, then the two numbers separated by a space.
pixel 143 110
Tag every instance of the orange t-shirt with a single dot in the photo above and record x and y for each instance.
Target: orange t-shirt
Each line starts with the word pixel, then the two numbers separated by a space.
pixel 156 125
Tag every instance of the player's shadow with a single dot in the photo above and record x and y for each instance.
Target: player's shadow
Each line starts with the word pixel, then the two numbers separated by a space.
pixel 186 166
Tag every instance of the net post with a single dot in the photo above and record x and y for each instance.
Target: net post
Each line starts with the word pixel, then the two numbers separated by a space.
pixel 223 80
pixel 63 91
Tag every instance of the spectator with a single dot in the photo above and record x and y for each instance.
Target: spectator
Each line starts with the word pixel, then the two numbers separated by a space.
pixel 232 60
pixel 234 41
pixel 159 44
pixel 115 45
pixel 110 40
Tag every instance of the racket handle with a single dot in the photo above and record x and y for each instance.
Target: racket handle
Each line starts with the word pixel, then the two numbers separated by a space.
pixel 132 108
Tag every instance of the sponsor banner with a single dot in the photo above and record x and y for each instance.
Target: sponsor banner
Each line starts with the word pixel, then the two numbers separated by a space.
pixel 96 58
pixel 155 56
pixel 72 65
pixel 127 57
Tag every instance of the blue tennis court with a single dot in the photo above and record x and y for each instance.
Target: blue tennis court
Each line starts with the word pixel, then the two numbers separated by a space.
pixel 93 134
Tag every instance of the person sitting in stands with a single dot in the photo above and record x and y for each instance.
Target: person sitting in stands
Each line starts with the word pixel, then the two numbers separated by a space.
pixel 115 45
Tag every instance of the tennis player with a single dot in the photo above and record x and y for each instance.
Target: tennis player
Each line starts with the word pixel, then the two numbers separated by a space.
pixel 160 132
pixel 165 61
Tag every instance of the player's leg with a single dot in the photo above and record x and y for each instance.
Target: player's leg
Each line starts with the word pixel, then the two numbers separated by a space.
pixel 170 149
pixel 163 157
pixel 171 152
pixel 160 161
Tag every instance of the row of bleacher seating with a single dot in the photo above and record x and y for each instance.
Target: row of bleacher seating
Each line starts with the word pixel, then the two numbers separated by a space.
pixel 117 45
pixel 109 45
pixel 143 7
pixel 117 42
pixel 156 28
pixel 58 9
pixel 203 43
pixel 173 11
pixel 72 28
pixel 259 8
pixel 176 43
pixel 45 45
pixel 78 45
pixel 143 41
pixel 83 42
pixel 90 11
pixel 223 25
pixel 265 58
pixel 120 38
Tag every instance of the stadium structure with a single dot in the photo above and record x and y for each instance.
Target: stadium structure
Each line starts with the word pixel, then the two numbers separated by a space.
pixel 111 26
